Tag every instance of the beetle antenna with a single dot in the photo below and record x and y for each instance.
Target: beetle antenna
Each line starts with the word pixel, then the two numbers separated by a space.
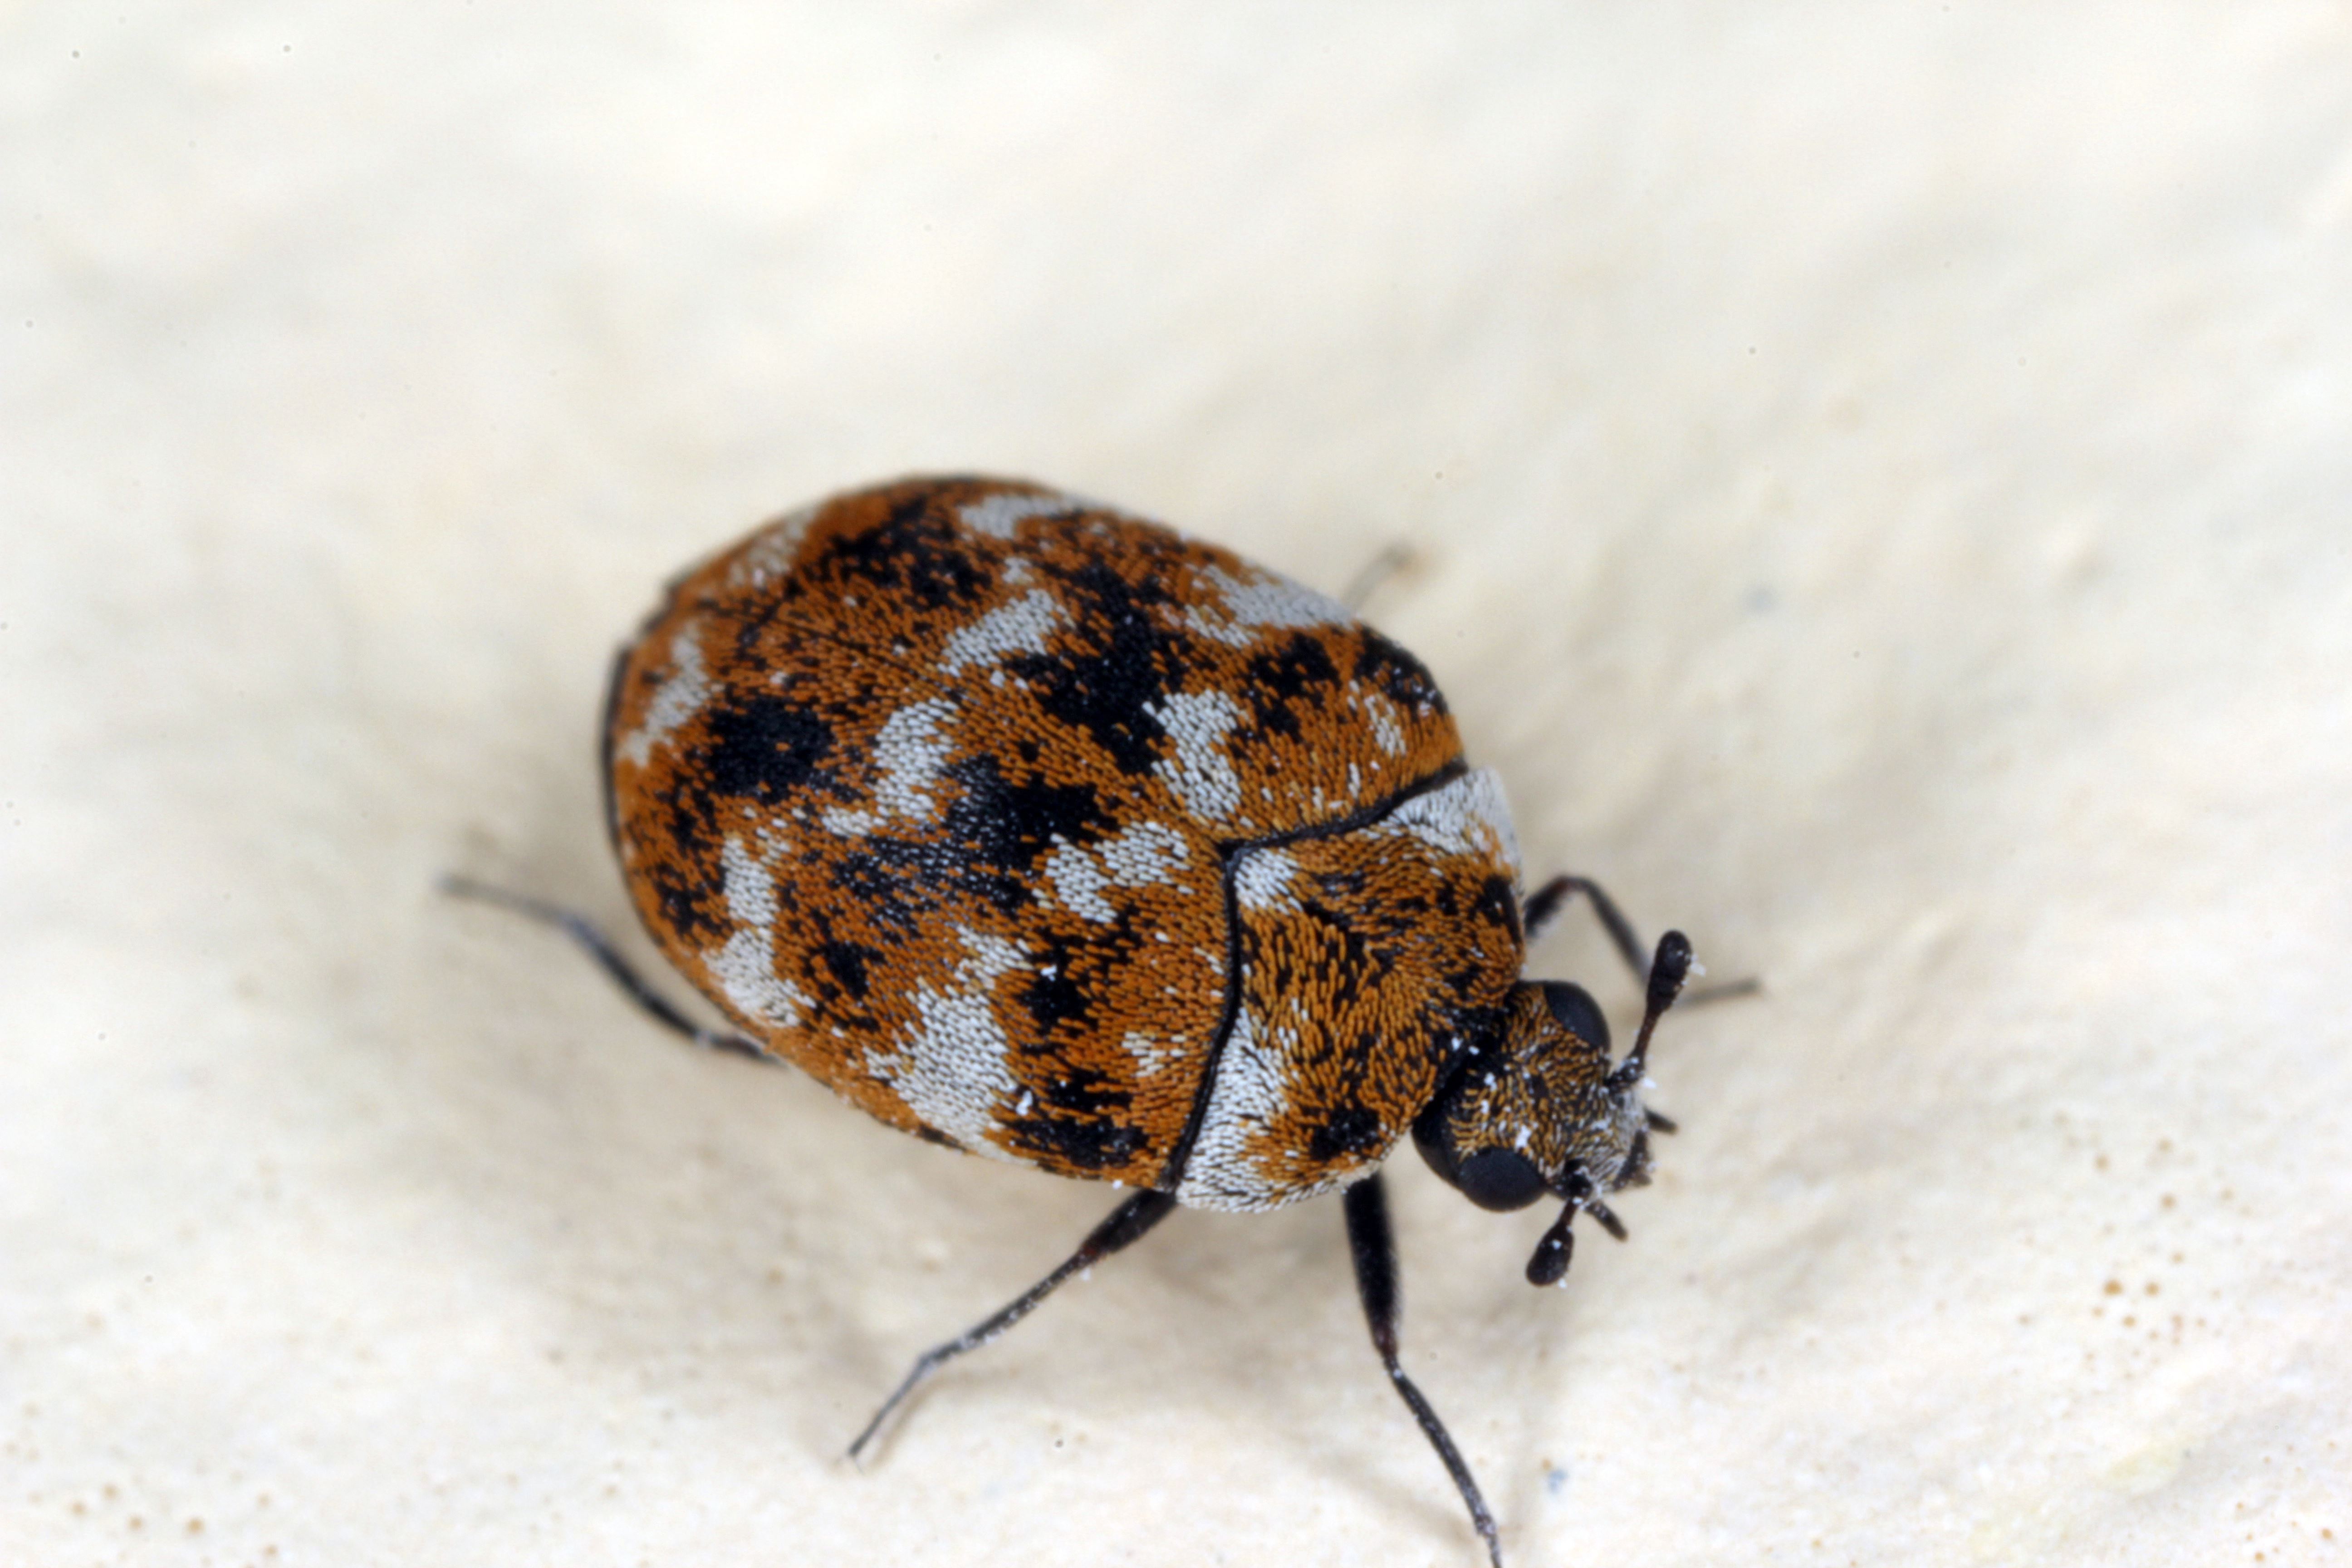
pixel 1668 969
pixel 1549 1264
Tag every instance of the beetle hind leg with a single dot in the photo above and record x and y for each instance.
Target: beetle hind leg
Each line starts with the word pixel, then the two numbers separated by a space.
pixel 1372 1245
pixel 598 946
pixel 1127 1225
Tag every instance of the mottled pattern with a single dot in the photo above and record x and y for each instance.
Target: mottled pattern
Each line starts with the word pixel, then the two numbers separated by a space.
pixel 947 792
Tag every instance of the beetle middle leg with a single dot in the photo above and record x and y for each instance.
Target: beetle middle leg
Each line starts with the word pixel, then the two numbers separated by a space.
pixel 1126 1225
pixel 1372 1245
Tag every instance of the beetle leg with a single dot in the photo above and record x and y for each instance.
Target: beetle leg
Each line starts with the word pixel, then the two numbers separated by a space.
pixel 1376 572
pixel 1543 906
pixel 1125 1225
pixel 599 946
pixel 1373 1246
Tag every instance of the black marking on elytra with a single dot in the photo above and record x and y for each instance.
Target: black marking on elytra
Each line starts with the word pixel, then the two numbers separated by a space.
pixel 985 845
pixel 688 820
pixel 684 898
pixel 765 748
pixel 1051 993
pixel 1396 672
pixel 916 550
pixel 1277 681
pixel 1120 665
pixel 893 884
pixel 1083 1092
pixel 1006 824
pixel 846 963
pixel 1090 1142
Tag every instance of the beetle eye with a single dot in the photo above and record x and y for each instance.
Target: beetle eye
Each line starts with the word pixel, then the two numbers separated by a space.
pixel 1573 1008
pixel 1499 1178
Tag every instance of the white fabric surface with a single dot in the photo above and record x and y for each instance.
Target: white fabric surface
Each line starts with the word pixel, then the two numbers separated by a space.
pixel 1880 484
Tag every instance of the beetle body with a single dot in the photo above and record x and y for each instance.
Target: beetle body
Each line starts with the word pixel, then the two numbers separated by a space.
pixel 1036 829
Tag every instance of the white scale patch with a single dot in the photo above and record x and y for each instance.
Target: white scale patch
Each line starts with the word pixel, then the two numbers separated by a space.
pixel 769 552
pixel 951 1072
pixel 999 515
pixel 1021 627
pixel 1146 853
pixel 1388 731
pixel 910 751
pixel 745 965
pixel 1467 817
pixel 1248 1093
pixel 680 698
pixel 1200 773
pixel 1262 879
pixel 1268 601
pixel 1079 882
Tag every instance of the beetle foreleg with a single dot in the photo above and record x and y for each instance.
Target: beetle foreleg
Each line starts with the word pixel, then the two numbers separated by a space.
pixel 1373 1246
pixel 1125 1225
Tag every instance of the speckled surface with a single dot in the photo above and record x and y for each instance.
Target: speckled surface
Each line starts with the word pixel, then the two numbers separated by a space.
pixel 1880 484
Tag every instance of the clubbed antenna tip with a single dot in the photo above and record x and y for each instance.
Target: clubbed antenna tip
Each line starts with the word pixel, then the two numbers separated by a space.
pixel 1668 971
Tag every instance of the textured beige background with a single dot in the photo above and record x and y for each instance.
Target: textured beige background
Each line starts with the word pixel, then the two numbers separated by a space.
pixel 1884 485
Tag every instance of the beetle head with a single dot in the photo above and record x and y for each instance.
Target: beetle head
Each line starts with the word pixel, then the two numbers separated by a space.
pixel 1538 1109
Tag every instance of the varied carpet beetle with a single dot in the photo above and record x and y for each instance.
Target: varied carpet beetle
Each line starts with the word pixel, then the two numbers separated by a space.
pixel 1042 832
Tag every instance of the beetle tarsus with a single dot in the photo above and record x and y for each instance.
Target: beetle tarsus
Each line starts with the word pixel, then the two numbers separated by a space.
pixel 1372 1245
pixel 1127 1224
